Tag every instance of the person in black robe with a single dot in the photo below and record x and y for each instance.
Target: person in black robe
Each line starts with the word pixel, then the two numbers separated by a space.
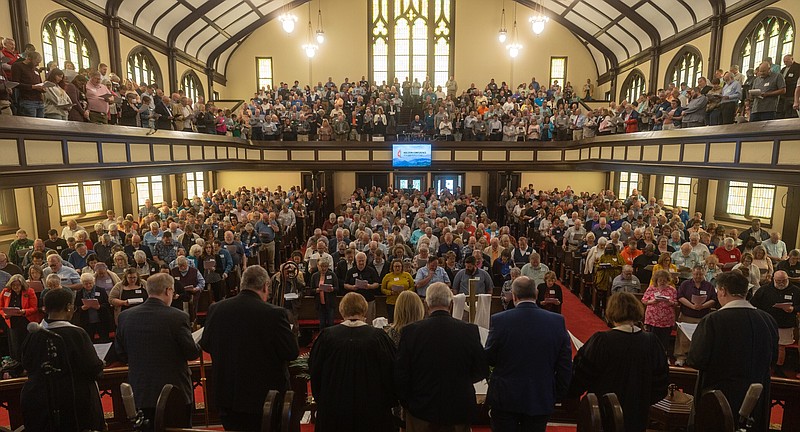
pixel 351 367
pixel 72 390
pixel 625 360
pixel 735 347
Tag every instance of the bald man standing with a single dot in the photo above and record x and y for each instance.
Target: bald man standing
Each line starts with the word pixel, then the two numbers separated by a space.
pixel 767 88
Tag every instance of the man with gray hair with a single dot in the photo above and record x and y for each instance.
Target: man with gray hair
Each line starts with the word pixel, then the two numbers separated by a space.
pixel 531 352
pixel 250 342
pixel 440 353
pixel 626 281
pixel 156 341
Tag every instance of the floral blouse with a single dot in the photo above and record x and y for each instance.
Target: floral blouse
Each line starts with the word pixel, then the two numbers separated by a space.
pixel 662 313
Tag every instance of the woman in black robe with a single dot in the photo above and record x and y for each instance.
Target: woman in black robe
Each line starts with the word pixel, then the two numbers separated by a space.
pixel 72 390
pixel 351 373
pixel 625 360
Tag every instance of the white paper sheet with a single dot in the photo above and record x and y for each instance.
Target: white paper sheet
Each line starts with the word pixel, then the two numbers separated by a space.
pixel 102 350
pixel 484 305
pixel 578 344
pixel 687 329
pixel 198 335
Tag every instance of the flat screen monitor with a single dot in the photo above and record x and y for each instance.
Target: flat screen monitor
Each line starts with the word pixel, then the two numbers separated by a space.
pixel 411 156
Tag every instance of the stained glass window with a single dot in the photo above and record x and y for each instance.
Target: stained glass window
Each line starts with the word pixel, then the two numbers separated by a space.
pixel 191 86
pixel 151 188
pixel 264 72
pixel 558 70
pixel 750 200
pixel 772 37
pixel 687 67
pixel 633 87
pixel 143 68
pixel 64 41
pixel 411 39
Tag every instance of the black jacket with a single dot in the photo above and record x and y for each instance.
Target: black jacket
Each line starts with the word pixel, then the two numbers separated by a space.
pixel 250 343
pixel 438 361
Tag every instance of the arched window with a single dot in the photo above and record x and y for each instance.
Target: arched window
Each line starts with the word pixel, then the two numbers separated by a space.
pixel 65 39
pixel 633 87
pixel 686 67
pixel 191 86
pixel 769 35
pixel 142 67
pixel 411 38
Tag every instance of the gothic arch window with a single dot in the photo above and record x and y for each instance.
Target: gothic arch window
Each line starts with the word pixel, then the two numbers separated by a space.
pixel 191 86
pixel 685 67
pixel 633 87
pixel 769 35
pixel 411 38
pixel 143 68
pixel 65 39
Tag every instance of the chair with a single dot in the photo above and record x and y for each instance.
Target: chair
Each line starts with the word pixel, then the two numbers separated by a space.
pixel 589 419
pixel 269 417
pixel 713 413
pixel 286 412
pixel 613 420
pixel 169 407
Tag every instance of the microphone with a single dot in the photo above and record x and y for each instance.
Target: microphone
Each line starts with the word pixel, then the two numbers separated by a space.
pixel 34 327
pixel 127 400
pixel 750 400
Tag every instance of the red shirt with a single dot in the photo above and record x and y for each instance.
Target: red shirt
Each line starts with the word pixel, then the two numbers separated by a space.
pixel 29 304
pixel 728 256
pixel 12 56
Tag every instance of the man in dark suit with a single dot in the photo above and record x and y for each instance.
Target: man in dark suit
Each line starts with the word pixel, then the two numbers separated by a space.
pixel 250 342
pixel 790 72
pixel 164 121
pixel 530 350
pixel 438 361
pixel 735 347
pixel 156 341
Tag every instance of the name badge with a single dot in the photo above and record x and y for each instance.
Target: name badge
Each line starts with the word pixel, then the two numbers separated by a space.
pixel 59 247
pixel 97 294
pixel 552 292
pixel 8 294
pixel 702 293
pixel 329 277
pixel 788 297
pixel 766 84
pixel 355 274
pixel 221 256
pixel 733 256
pixel 138 291
pixel 396 279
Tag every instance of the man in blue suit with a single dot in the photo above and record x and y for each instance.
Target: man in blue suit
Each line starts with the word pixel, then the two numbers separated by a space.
pixel 530 351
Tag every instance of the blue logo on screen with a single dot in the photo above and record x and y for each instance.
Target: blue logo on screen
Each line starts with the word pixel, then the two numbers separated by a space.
pixel 411 155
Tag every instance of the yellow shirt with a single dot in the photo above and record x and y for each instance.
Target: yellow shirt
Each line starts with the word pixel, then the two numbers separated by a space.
pixel 403 279
pixel 672 269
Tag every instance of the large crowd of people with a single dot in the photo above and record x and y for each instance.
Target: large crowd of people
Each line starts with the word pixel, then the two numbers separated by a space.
pixel 398 243
pixel 360 110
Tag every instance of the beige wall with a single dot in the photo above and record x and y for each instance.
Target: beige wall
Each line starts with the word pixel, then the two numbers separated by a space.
pixel 344 53
pixel 38 10
pixel 584 181
pixel 232 180
pixel 733 29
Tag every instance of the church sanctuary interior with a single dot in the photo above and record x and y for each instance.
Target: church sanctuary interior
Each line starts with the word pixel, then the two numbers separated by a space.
pixel 556 157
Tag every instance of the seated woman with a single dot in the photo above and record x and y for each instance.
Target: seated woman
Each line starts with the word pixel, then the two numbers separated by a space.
pixel 92 309
pixel 501 268
pixel 74 381
pixel 625 361
pixel 763 263
pixel 665 263
pixel 549 295
pixel 750 271
pixel 351 372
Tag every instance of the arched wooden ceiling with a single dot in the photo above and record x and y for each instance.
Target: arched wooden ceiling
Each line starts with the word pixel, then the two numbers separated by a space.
pixel 612 30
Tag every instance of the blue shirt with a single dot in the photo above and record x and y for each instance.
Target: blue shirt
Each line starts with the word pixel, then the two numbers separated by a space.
pixel 422 273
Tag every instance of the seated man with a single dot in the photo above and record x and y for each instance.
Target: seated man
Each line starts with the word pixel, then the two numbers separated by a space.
pixel 626 281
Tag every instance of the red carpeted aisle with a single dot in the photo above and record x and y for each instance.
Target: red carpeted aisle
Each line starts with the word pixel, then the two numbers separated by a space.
pixel 580 320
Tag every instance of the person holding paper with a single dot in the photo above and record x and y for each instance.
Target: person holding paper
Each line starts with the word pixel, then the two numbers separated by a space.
pixel 750 271
pixel 549 295
pixel 30 88
pixel 97 96
pixel 76 396
pixel 530 351
pixel 624 360
pixel 56 101
pixel 696 297
pixel 729 255
pixel 781 299
pixel 92 309
pixel 363 279
pixel 325 283
pixel 251 343
pixel 128 293
pixel 156 342
pixel 18 306
pixel 659 315
pixel 287 290
pixel 735 347
pixel 393 284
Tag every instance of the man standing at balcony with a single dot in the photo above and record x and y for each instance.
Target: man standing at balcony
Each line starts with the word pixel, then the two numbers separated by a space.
pixel 30 102
pixel 790 73
pixel 771 86
pixel 96 97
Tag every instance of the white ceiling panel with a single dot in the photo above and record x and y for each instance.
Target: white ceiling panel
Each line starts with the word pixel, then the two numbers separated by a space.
pixel 234 14
pixel 614 46
pixel 127 10
pixel 555 7
pixel 239 25
pixel 591 13
pixel 582 22
pixel 654 16
pixel 678 13
pixel 625 39
pixel 211 46
pixel 149 14
pixel 223 7
pixel 702 10
pixel 638 33
pixel 169 21
pixel 606 8
pixel 101 3
pixel 200 39
pixel 190 31
pixel 599 59
pixel 197 3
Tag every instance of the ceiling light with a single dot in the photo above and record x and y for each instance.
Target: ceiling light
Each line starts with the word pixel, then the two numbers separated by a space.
pixel 320 31
pixel 287 22
pixel 539 19
pixel 502 34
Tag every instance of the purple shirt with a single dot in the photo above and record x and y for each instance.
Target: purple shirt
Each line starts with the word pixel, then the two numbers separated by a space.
pixel 689 289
